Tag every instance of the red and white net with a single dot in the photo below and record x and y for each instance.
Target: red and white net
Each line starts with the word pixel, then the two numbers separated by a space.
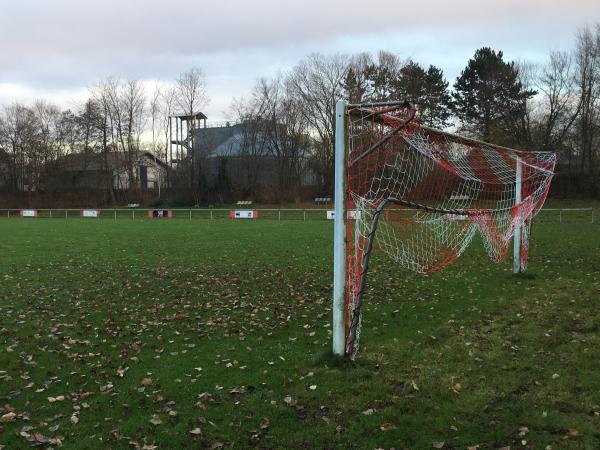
pixel 429 193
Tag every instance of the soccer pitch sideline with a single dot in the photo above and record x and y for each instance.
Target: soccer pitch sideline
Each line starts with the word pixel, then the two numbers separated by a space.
pixel 157 334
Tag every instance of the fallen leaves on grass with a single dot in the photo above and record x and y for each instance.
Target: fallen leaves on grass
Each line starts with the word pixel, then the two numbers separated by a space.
pixel 155 420
pixel 38 439
pixel 455 388
pixel 9 417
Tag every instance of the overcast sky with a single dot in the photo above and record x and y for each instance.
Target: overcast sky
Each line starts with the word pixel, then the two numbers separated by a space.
pixel 56 49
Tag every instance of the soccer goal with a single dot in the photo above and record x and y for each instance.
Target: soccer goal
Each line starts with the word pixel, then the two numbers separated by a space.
pixel 419 195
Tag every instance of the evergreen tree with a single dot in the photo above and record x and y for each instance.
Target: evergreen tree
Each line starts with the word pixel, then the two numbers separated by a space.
pixel 354 85
pixel 380 77
pixel 489 99
pixel 428 91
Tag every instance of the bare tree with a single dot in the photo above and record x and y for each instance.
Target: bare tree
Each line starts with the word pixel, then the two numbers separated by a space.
pixel 132 102
pixel 49 145
pixel 190 88
pixel 286 129
pixel 587 63
pixel 559 105
pixel 254 147
pixel 167 109
pixel 123 105
pixel 317 83
pixel 19 138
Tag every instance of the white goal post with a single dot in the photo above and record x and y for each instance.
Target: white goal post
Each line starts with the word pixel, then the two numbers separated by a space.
pixel 420 195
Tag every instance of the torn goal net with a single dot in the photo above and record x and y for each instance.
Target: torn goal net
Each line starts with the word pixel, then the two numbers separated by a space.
pixel 420 195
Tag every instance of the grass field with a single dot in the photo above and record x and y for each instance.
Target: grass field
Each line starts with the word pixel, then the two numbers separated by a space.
pixel 216 334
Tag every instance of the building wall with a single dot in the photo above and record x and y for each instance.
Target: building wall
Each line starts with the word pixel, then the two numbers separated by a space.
pixel 155 174
pixel 245 166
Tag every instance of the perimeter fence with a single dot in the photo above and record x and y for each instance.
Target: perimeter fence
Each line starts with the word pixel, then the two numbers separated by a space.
pixel 546 215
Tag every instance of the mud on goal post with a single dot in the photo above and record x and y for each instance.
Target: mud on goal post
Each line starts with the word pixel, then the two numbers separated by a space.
pixel 419 195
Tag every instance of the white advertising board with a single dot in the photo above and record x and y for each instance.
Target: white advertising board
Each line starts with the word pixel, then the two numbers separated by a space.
pixel 90 213
pixel 352 215
pixel 28 213
pixel 244 214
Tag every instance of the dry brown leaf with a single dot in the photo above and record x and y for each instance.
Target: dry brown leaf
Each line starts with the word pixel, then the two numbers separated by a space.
pixel 155 420
pixel 456 388
pixel 9 417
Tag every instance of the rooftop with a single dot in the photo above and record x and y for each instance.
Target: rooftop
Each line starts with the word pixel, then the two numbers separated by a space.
pixel 196 116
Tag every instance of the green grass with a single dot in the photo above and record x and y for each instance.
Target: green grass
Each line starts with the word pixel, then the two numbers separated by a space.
pixel 152 329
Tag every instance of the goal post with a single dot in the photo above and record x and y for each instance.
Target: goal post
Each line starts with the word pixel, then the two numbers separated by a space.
pixel 339 236
pixel 517 268
pixel 419 195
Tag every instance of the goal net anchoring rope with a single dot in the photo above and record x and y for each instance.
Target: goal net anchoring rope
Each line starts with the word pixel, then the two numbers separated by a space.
pixel 420 195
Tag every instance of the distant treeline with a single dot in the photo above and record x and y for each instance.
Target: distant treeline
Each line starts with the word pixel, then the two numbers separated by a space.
pixel 553 106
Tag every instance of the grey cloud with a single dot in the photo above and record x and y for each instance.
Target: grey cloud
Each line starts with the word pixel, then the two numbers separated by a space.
pixel 32 29
pixel 54 44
